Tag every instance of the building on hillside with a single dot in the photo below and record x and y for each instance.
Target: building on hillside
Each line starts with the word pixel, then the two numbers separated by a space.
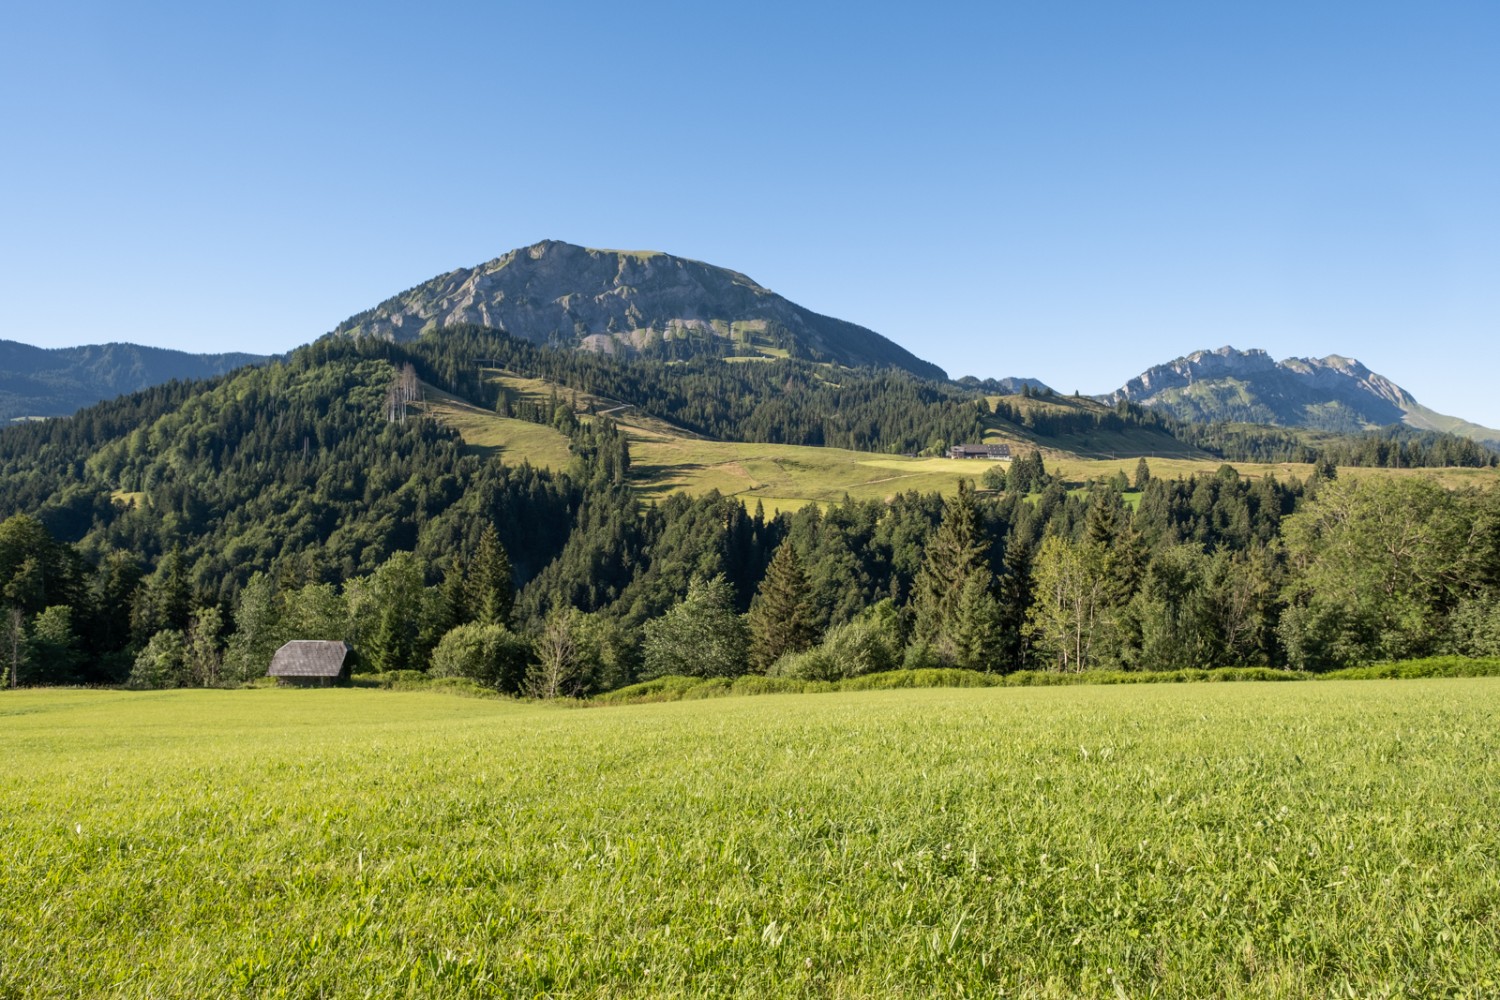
pixel 311 663
pixel 993 452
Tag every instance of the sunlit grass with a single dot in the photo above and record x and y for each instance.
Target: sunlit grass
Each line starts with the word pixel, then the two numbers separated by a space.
pixel 787 477
pixel 1206 840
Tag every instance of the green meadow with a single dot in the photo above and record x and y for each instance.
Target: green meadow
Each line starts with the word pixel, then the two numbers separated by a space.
pixel 665 458
pixel 1281 840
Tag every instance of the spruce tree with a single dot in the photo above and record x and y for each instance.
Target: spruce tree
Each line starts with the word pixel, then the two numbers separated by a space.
pixel 956 552
pixel 975 636
pixel 1142 473
pixel 455 602
pixel 781 619
pixel 490 590
pixel 1015 599
pixel 163 601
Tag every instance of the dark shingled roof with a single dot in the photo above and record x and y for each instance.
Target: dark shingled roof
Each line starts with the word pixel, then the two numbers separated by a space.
pixel 309 658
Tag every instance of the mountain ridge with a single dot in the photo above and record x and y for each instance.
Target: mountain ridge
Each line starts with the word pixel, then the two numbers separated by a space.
pixel 624 302
pixel 1334 393
pixel 57 381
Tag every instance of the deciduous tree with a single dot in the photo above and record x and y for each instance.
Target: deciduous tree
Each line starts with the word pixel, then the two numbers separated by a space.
pixel 702 636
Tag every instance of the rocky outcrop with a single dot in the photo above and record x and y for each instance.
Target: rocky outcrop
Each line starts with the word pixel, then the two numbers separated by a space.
pixel 1335 393
pixel 623 301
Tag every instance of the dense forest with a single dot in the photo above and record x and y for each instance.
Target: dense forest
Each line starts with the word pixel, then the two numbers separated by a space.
pixel 177 536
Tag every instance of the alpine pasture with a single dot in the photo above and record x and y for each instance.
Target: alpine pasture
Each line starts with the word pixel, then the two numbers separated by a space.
pixel 1235 840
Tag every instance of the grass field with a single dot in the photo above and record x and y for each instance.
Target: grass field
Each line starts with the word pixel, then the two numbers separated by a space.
pixel 787 477
pixel 1291 840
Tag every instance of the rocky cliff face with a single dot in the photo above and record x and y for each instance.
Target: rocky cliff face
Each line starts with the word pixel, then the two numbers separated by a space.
pixel 1333 393
pixel 621 302
pixel 1199 366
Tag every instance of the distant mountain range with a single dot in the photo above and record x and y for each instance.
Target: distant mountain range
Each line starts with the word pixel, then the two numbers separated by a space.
pixel 1333 394
pixel 622 302
pixel 628 303
pixel 42 382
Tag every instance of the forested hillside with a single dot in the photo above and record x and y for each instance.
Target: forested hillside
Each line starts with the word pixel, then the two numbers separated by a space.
pixel 41 382
pixel 178 535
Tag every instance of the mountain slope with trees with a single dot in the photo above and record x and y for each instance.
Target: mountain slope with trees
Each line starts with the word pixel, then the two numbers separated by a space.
pixel 41 382
pixel 179 534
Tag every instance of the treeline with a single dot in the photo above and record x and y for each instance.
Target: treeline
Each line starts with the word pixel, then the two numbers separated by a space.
pixel 1058 420
pixel 797 402
pixel 178 534
pixel 782 402
pixel 1212 570
pixel 1387 448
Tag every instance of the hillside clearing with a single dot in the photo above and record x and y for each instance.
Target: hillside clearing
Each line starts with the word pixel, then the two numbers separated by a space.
pixel 666 458
pixel 1204 840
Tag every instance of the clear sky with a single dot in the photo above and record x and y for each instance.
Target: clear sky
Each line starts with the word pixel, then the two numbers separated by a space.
pixel 1072 191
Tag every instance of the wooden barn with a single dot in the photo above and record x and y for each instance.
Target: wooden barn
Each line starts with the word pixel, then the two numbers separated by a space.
pixel 311 663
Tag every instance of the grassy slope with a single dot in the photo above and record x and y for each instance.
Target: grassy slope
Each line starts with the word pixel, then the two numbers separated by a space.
pixel 667 458
pixel 1039 842
pixel 1422 418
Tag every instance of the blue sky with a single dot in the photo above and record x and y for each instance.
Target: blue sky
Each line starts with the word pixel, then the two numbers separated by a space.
pixel 1071 191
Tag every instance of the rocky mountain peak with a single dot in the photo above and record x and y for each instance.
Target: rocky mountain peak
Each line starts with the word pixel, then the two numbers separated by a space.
pixel 1336 393
pixel 625 301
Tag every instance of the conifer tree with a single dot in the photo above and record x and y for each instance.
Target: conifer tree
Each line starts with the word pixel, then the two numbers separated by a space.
pixel 975 635
pixel 956 552
pixel 781 619
pixel 1015 599
pixel 163 601
pixel 454 593
pixel 490 590
pixel 1142 473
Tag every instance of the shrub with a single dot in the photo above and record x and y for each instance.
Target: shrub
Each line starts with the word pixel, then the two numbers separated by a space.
pixel 1432 666
pixel 809 665
pixel 491 655
pixel 863 646
pixel 668 688
pixel 162 664
pixel 701 635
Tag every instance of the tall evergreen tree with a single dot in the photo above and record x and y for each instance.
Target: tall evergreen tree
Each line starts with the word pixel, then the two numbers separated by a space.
pixel 490 590
pixel 781 619
pixel 1142 473
pixel 975 636
pixel 956 552
pixel 1015 600
pixel 163 601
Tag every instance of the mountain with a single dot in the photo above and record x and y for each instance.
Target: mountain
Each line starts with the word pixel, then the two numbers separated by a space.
pixel 1008 386
pixel 624 302
pixel 1333 393
pixel 53 382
